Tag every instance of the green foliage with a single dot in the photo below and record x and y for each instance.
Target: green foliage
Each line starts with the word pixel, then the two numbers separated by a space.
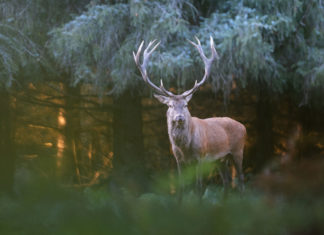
pixel 37 17
pixel 86 44
pixel 97 45
pixel 267 44
pixel 16 52
pixel 245 55
pixel 23 34
pixel 46 208
pixel 275 44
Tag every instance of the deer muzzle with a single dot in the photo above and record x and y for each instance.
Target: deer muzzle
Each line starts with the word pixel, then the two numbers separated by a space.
pixel 179 120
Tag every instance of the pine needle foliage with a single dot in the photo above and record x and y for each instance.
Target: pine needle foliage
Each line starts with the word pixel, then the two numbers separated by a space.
pixel 16 52
pixel 23 33
pixel 273 44
pixel 97 45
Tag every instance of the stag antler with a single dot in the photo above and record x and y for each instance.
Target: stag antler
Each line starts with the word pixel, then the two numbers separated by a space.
pixel 161 90
pixel 207 61
pixel 142 67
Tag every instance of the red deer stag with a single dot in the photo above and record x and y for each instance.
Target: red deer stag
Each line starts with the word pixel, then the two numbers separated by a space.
pixel 193 138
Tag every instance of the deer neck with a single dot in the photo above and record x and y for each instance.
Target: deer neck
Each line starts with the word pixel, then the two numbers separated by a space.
pixel 180 135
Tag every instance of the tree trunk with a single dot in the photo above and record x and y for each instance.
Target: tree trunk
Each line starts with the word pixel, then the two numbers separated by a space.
pixel 263 150
pixel 7 148
pixel 70 166
pixel 128 163
pixel 311 120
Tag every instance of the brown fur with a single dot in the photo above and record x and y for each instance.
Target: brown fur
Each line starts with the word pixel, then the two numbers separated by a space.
pixel 214 138
pixel 197 140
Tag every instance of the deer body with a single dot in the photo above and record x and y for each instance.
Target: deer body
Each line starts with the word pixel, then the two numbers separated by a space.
pixel 207 139
pixel 194 139
pixel 197 140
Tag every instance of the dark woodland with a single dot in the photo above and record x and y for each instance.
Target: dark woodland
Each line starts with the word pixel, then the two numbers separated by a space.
pixel 84 145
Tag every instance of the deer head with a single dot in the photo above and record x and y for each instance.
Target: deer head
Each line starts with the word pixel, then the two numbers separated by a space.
pixel 178 112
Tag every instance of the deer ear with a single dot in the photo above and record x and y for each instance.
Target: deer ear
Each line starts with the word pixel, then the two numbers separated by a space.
pixel 188 98
pixel 162 99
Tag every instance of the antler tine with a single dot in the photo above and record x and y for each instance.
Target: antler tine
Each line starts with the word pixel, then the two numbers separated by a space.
pixel 213 50
pixel 136 57
pixel 146 55
pixel 165 90
pixel 142 67
pixel 207 62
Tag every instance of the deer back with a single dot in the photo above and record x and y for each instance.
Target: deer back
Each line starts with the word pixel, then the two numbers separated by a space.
pixel 216 137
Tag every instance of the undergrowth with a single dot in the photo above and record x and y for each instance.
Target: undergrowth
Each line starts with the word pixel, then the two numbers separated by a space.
pixel 44 207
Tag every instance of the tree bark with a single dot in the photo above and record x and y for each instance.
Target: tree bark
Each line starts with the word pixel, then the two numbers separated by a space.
pixel 70 167
pixel 264 127
pixel 7 143
pixel 128 163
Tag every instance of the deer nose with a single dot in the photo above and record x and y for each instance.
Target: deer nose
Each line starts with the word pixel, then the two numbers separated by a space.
pixel 180 118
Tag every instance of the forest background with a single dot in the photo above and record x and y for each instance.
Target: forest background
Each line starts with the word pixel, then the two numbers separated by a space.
pixel 81 134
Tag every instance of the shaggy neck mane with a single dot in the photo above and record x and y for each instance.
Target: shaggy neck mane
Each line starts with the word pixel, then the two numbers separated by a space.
pixel 180 136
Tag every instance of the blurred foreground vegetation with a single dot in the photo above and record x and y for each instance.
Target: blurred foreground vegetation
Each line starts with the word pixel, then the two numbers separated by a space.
pixel 280 203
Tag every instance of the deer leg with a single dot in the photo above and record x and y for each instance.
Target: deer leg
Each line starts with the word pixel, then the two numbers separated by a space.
pixel 179 155
pixel 180 181
pixel 199 184
pixel 238 161
pixel 225 175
